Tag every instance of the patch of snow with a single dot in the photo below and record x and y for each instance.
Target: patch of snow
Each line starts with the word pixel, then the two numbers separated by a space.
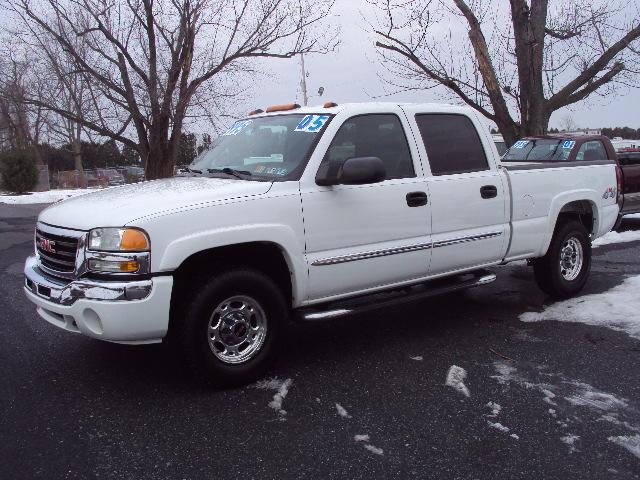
pixel 587 396
pixel 361 438
pixel 455 379
pixel 549 396
pixel 570 440
pixel 282 389
pixel 631 443
pixel 513 435
pixel 552 412
pixel 49 196
pixel 342 411
pixel 495 409
pixel 612 418
pixel 617 237
pixel 372 449
pixel 498 426
pixel 616 309
pixel 417 358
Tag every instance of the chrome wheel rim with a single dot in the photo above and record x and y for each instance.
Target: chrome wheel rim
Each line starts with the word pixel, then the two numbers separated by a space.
pixel 237 329
pixel 571 259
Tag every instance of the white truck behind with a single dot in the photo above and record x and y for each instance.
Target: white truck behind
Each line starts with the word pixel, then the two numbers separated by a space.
pixel 312 213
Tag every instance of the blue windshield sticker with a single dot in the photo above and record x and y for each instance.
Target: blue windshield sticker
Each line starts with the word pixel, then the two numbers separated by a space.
pixel 521 144
pixel 312 123
pixel 568 144
pixel 237 127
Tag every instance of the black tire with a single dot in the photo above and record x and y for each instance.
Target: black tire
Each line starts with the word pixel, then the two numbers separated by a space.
pixel 192 330
pixel 548 271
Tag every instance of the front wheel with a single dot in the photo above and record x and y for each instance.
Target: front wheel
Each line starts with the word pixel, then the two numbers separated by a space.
pixel 564 270
pixel 232 327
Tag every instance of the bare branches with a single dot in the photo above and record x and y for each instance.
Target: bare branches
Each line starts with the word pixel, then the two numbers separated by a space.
pixel 146 60
pixel 518 64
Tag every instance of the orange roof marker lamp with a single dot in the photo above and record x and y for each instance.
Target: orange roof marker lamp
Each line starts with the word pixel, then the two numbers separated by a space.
pixel 282 108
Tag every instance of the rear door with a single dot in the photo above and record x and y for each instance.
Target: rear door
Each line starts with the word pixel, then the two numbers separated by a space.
pixel 362 237
pixel 468 199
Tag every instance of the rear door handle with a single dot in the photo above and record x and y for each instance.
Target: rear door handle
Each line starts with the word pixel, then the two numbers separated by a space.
pixel 417 199
pixel 489 191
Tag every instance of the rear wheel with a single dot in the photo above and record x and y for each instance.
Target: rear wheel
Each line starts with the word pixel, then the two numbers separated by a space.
pixel 564 270
pixel 232 327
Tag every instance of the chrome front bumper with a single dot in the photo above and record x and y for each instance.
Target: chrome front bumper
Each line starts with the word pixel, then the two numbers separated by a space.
pixel 63 292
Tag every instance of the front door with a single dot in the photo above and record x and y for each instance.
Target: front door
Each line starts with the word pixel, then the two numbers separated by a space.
pixel 368 236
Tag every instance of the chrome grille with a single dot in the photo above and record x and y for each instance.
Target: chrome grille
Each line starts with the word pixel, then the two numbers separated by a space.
pixel 56 252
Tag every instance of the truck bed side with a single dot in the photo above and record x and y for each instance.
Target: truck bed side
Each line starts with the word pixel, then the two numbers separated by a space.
pixel 540 193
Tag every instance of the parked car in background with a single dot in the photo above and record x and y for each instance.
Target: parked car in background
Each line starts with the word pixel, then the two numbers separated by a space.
pixel 134 174
pixel 314 212
pixel 629 161
pixel 500 143
pixel 112 176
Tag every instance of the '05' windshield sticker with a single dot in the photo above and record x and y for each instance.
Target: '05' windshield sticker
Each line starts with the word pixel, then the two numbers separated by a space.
pixel 312 123
pixel 568 144
pixel 237 127
pixel 520 144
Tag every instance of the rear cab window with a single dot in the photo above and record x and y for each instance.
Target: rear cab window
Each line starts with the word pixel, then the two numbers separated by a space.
pixel 590 151
pixel 452 143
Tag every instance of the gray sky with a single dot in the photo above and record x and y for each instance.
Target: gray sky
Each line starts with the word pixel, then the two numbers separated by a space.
pixel 350 75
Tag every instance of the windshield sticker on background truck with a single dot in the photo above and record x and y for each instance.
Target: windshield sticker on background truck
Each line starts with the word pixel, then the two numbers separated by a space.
pixel 568 144
pixel 311 123
pixel 237 127
pixel 520 144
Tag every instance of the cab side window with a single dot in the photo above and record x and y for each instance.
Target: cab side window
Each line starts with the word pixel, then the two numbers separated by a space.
pixel 452 143
pixel 375 135
pixel 590 151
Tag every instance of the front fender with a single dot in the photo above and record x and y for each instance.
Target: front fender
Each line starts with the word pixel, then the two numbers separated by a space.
pixel 179 249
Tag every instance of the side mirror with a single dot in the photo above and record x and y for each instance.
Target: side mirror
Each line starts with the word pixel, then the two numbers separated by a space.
pixel 353 171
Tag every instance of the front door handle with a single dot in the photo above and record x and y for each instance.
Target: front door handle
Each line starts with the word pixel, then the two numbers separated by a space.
pixel 417 199
pixel 489 191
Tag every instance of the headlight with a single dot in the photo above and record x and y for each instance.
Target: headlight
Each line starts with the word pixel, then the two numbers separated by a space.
pixel 118 240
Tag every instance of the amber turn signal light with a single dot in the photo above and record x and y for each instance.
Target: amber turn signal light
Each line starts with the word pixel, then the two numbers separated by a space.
pixel 282 108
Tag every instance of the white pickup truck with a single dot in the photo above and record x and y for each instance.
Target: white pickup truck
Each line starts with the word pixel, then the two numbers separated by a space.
pixel 311 213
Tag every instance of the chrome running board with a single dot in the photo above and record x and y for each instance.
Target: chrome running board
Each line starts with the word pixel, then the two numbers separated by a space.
pixel 356 305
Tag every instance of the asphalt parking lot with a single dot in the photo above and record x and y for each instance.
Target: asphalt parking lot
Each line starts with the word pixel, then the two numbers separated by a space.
pixel 364 397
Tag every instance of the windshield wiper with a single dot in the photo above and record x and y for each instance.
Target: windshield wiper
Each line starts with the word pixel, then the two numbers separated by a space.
pixel 241 174
pixel 192 170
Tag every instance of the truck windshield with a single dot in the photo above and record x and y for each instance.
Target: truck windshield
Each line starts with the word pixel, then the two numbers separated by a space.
pixel 264 148
pixel 539 150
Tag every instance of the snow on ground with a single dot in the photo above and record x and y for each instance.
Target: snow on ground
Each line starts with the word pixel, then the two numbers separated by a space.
pixel 570 440
pixel 282 389
pixel 455 379
pixel 372 449
pixel 342 411
pixel 617 237
pixel 498 426
pixel 50 196
pixel 417 358
pixel 631 443
pixel 361 438
pixel 616 308
pixel 495 409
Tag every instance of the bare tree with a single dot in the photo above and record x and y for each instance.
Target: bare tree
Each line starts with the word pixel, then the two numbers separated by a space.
pixel 149 61
pixel 520 62
pixel 21 124
pixel 568 124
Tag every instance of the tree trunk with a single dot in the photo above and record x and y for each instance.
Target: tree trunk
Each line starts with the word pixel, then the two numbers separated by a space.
pixel 76 151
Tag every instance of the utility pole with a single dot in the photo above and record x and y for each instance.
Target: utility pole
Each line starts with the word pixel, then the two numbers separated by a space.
pixel 303 82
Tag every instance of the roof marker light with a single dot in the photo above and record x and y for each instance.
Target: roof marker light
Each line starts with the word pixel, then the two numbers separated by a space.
pixel 282 108
pixel 256 112
pixel 330 104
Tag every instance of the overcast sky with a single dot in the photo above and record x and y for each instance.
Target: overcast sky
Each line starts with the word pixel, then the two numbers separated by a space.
pixel 351 75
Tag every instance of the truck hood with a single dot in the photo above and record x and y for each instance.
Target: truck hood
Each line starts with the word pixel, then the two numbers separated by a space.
pixel 118 206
